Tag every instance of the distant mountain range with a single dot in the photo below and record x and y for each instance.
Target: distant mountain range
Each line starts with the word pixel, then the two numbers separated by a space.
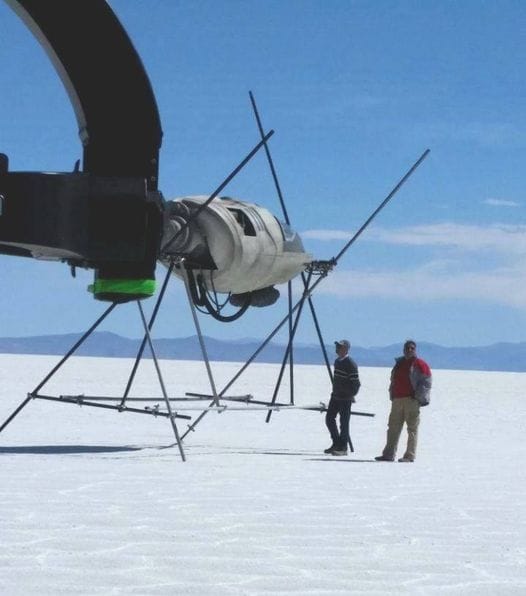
pixel 501 356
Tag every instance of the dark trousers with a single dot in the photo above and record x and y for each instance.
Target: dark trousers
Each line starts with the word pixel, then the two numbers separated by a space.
pixel 341 407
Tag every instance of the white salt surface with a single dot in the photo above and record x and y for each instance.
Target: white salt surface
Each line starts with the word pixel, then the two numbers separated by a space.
pixel 93 503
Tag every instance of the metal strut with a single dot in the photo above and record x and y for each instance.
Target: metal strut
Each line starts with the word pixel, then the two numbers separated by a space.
pixel 305 280
pixel 34 394
pixel 161 382
pixel 287 352
pixel 199 334
pixel 216 192
pixel 287 219
pixel 96 401
pixel 145 338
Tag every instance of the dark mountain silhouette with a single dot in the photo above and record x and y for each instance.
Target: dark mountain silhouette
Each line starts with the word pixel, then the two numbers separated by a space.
pixel 501 356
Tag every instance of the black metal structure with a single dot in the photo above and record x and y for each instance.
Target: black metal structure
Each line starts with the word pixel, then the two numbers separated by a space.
pixel 116 111
pixel 170 411
pixel 109 216
pixel 320 269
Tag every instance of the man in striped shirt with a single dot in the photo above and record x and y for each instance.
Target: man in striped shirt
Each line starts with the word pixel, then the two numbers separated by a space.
pixel 345 386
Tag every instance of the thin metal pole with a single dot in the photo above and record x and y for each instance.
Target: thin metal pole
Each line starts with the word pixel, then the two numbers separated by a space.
pixel 322 343
pixel 245 366
pixel 161 382
pixel 144 340
pixel 350 440
pixel 20 407
pixel 286 356
pixel 54 370
pixel 247 397
pixel 80 402
pixel 217 191
pixel 269 158
pixel 83 396
pixel 199 334
pixel 287 219
pixel 382 205
pixel 191 427
pixel 291 351
pixel 261 347
pixel 72 350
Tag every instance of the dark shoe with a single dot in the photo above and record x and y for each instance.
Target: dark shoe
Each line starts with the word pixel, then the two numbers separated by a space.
pixel 330 449
pixel 339 452
pixel 383 458
pixel 406 459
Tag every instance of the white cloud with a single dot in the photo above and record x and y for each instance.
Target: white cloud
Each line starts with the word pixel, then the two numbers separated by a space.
pixel 327 235
pixel 453 278
pixel 429 283
pixel 501 238
pixel 500 203
pixel 491 133
pixel 483 133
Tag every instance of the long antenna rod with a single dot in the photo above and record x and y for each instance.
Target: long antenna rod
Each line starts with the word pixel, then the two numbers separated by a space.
pixel 305 283
pixel 217 190
pixel 269 158
pixel 74 348
pixel 290 350
pixel 381 206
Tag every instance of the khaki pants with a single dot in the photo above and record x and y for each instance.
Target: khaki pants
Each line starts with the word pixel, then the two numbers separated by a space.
pixel 403 409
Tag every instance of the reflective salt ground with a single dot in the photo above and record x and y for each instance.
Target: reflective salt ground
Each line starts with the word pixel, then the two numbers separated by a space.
pixel 93 502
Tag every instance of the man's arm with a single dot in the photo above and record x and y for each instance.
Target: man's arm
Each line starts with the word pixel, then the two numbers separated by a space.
pixel 424 382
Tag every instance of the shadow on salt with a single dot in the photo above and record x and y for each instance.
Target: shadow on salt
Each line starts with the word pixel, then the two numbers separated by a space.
pixel 66 449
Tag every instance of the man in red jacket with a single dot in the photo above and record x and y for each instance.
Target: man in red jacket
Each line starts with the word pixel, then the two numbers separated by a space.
pixel 409 390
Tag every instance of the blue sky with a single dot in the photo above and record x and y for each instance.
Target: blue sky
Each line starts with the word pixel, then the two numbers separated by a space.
pixel 355 91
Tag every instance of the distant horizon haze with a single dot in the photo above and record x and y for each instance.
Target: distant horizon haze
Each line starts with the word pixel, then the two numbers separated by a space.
pixel 496 357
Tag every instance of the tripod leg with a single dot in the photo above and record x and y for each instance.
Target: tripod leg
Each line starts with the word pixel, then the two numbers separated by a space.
pixel 161 382
pixel 74 348
pixel 145 339
pixel 199 334
pixel 350 441
pixel 16 412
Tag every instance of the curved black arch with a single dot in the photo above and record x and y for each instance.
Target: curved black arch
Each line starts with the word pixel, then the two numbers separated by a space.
pixel 116 110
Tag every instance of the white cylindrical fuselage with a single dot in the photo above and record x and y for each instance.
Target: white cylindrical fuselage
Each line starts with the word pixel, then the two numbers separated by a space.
pixel 251 249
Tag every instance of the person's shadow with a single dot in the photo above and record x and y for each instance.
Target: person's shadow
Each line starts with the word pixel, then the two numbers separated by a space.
pixel 342 460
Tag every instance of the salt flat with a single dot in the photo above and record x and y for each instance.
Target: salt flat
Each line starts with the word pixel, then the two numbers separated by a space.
pixel 94 503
